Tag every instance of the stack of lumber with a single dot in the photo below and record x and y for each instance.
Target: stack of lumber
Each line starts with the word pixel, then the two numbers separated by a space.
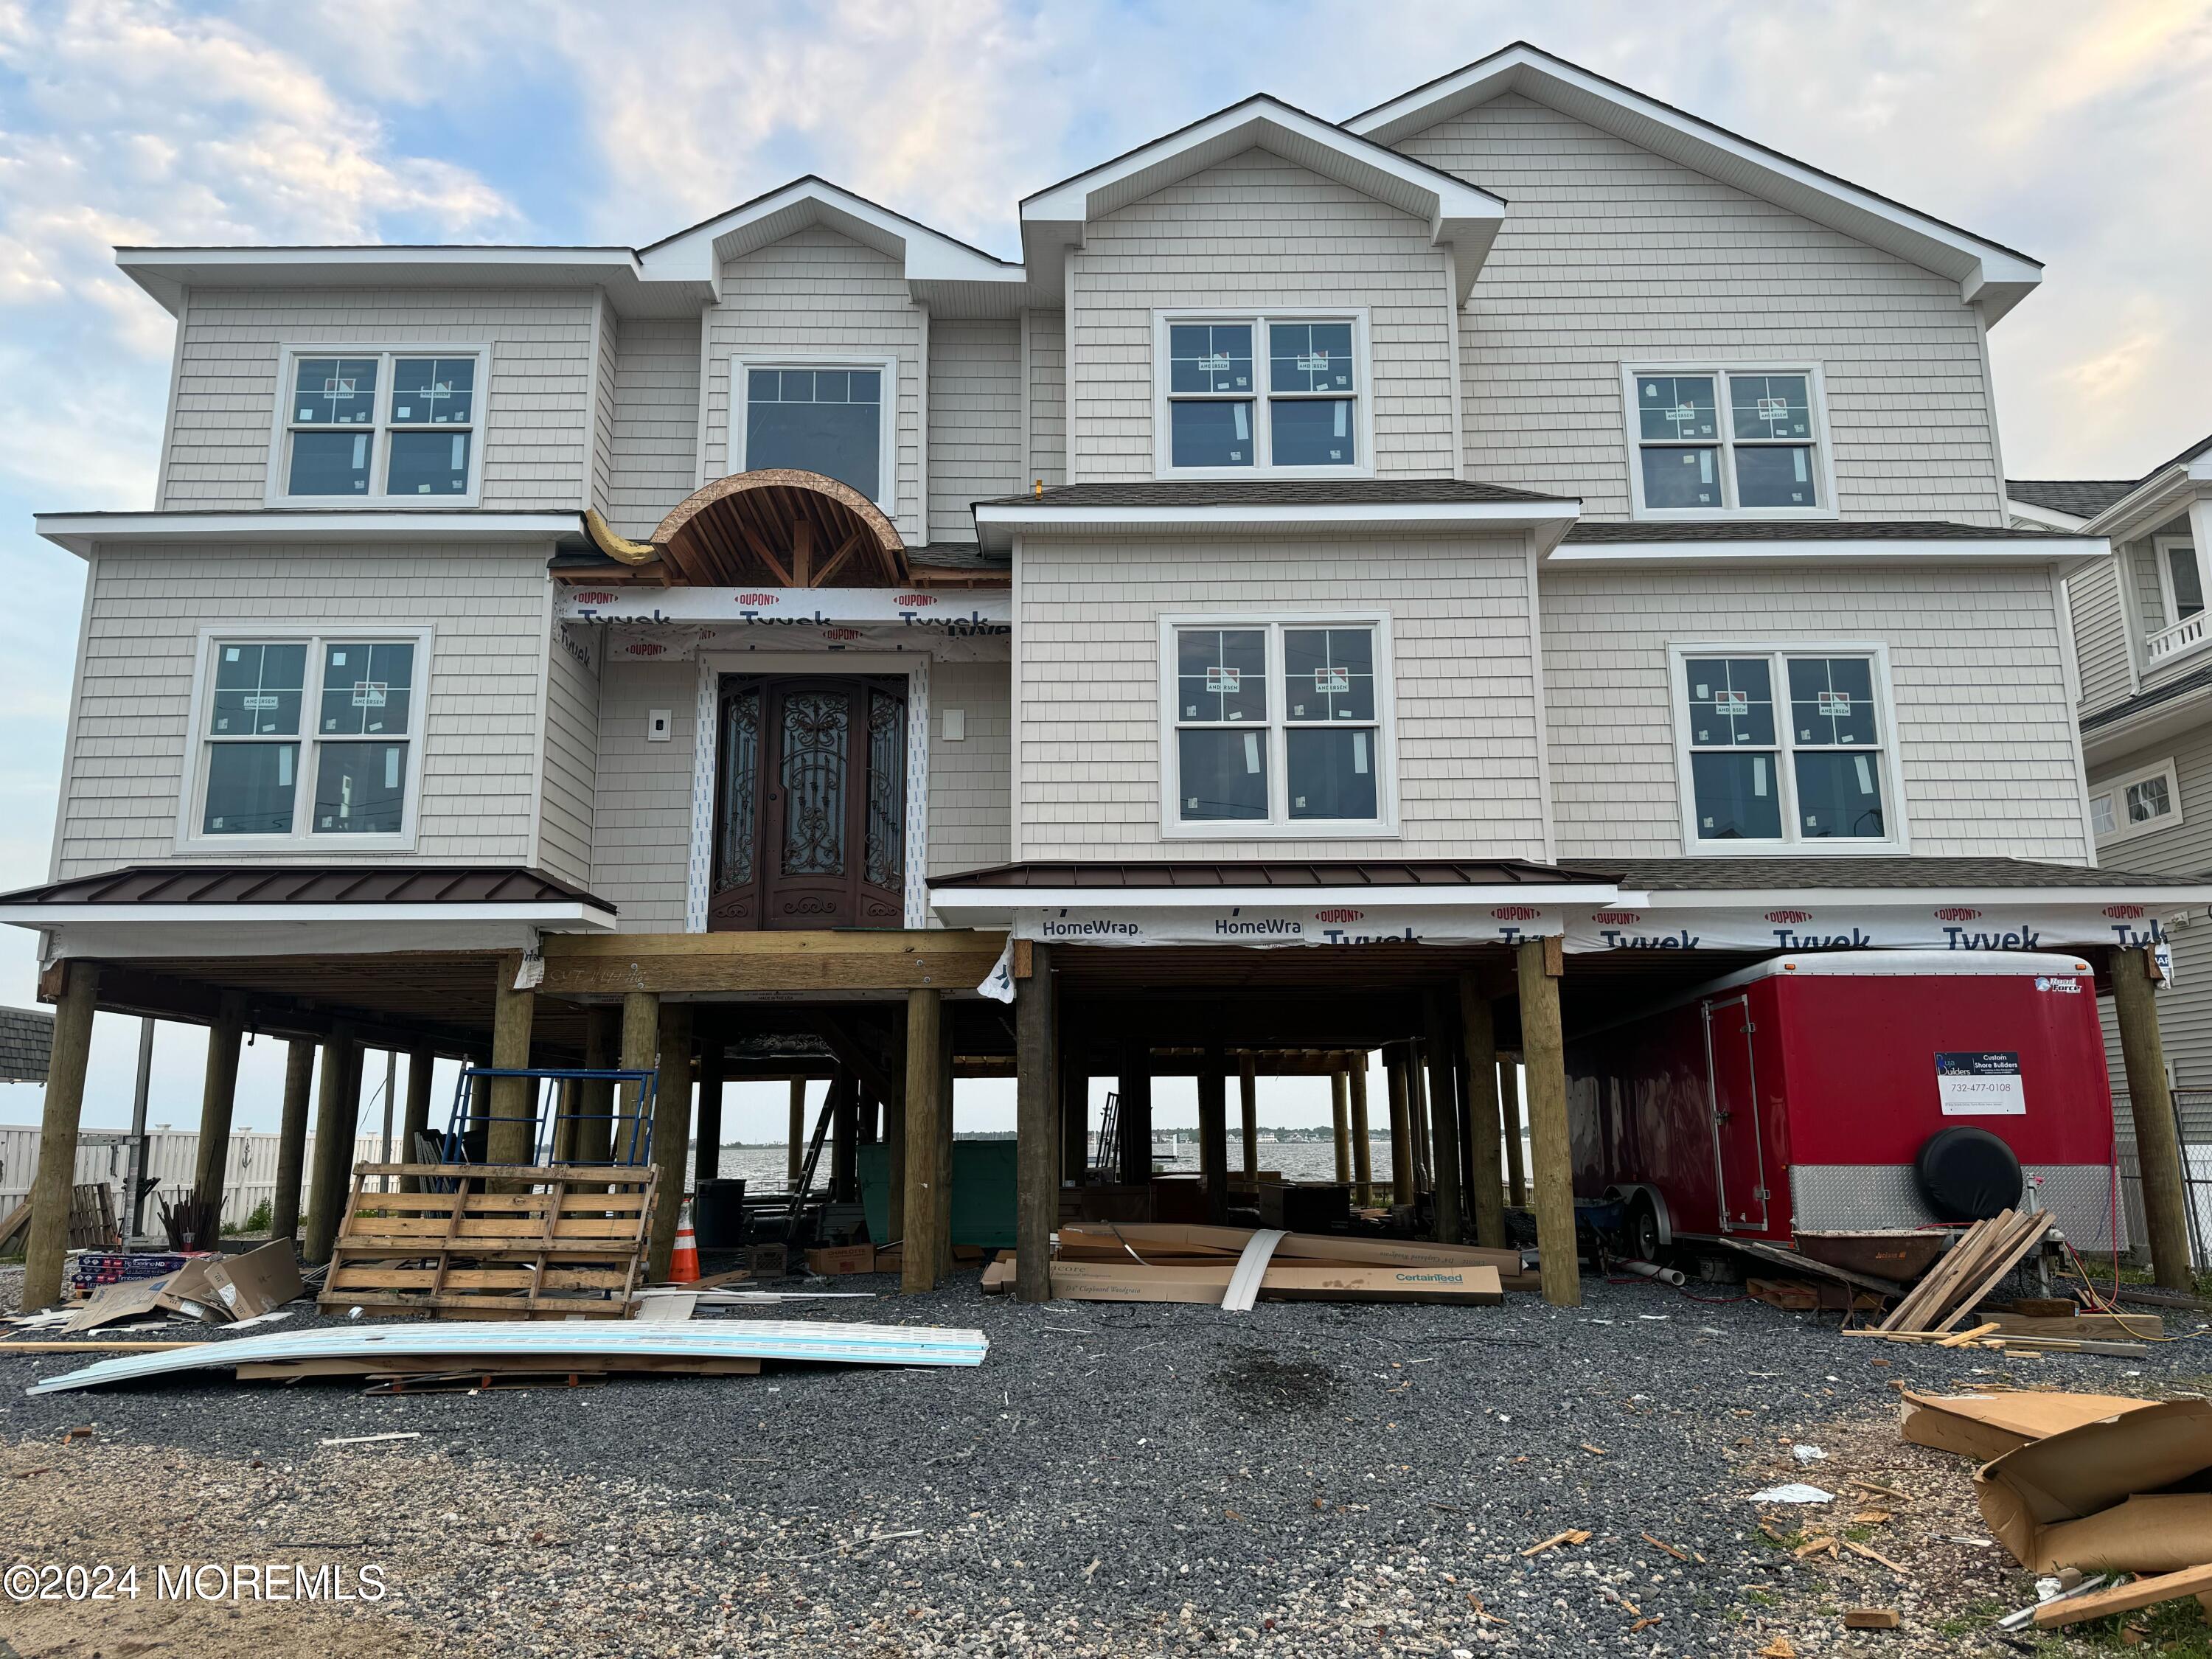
pixel 1170 1262
pixel 552 1241
pixel 1985 1256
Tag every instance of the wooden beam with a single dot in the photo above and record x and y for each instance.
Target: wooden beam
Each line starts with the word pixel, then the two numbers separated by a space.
pixel 337 1106
pixel 1509 1114
pixel 795 1151
pixel 1443 1116
pixel 641 1048
pixel 837 560
pixel 1135 1082
pixel 1479 1035
pixel 68 1050
pixel 1401 1128
pixel 1339 1103
pixel 1213 1132
pixel 1363 1145
pixel 1247 1102
pixel 669 964
pixel 672 1132
pixel 218 1100
pixel 1036 1184
pixel 707 1161
pixel 512 1137
pixel 920 1249
pixel 1544 1056
pixel 2150 1104
pixel 292 1138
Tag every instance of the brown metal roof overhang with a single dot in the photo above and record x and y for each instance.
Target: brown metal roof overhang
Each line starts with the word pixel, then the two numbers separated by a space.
pixel 1290 876
pixel 226 885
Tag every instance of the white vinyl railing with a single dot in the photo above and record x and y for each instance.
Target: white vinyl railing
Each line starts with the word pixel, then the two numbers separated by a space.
pixel 172 1156
pixel 2169 641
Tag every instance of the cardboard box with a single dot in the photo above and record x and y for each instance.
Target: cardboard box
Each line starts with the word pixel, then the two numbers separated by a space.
pixel 2115 1494
pixel 1304 1207
pixel 258 1282
pixel 836 1259
pixel 1984 1426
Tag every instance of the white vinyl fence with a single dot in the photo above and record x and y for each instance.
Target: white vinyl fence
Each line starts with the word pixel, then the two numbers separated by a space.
pixel 172 1156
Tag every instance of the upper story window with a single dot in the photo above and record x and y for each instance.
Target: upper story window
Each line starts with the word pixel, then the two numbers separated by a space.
pixel 1784 747
pixel 1262 393
pixel 2180 577
pixel 1277 727
pixel 831 416
pixel 1707 442
pixel 2135 804
pixel 384 427
pixel 304 738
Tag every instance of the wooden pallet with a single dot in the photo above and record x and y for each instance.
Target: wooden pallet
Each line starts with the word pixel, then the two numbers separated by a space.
pixel 556 1241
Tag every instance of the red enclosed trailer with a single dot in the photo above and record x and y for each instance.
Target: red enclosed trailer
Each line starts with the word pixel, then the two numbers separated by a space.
pixel 1814 1099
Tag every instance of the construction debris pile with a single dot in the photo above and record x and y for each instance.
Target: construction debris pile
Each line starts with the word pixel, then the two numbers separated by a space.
pixel 1233 1266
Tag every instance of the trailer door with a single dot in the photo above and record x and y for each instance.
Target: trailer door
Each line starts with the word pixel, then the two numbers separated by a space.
pixel 1738 1169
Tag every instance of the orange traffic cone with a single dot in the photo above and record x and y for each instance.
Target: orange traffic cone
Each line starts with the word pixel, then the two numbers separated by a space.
pixel 684 1263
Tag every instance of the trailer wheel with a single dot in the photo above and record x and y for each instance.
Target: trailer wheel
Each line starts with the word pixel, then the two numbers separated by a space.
pixel 1640 1229
pixel 1968 1175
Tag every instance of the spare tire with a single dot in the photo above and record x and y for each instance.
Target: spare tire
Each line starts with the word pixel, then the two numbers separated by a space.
pixel 1968 1175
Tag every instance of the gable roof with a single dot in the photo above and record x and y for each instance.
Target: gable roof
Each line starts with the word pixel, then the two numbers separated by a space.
pixel 1460 215
pixel 1991 277
pixel 2077 498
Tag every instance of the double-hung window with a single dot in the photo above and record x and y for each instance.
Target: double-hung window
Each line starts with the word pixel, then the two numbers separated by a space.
pixel 2135 803
pixel 308 737
pixel 382 426
pixel 1747 442
pixel 830 416
pixel 1277 726
pixel 1784 747
pixel 2180 577
pixel 1276 393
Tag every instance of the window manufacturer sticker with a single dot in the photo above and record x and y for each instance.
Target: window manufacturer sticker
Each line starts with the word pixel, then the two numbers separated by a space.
pixel 1835 702
pixel 1331 679
pixel 1773 408
pixel 1225 679
pixel 1732 703
pixel 257 700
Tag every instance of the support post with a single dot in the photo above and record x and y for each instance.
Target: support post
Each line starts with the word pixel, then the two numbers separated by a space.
pixel 795 1162
pixel 292 1138
pixel 415 1120
pixel 1136 1119
pixel 134 1201
pixel 514 1129
pixel 1401 1126
pixel 1340 1107
pixel 1444 1117
pixel 337 1103
pixel 707 1155
pixel 2150 1104
pixel 1543 1053
pixel 595 1100
pixel 1417 1112
pixel 1363 1145
pixel 52 1188
pixel 218 1099
pixel 1213 1132
pixel 844 1134
pixel 897 1147
pixel 925 1034
pixel 1479 1035
pixel 1074 1108
pixel 1037 1194
pixel 1509 1113
pixel 1248 1099
pixel 672 1132
pixel 944 1176
pixel 640 1047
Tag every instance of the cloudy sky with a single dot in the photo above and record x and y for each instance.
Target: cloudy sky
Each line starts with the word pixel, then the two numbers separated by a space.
pixel 2079 133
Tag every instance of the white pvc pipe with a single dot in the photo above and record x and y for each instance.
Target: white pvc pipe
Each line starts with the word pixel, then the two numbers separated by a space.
pixel 1653 1270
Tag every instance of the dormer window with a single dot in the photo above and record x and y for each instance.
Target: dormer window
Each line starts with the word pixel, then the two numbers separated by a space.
pixel 1708 442
pixel 829 415
pixel 1272 393
pixel 384 428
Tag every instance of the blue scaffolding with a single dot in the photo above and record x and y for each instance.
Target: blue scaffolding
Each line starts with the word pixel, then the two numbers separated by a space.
pixel 629 1147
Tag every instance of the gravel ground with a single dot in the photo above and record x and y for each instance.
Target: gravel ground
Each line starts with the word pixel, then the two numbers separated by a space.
pixel 1304 1479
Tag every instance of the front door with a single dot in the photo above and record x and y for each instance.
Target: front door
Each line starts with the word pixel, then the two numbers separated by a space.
pixel 1735 1092
pixel 810 803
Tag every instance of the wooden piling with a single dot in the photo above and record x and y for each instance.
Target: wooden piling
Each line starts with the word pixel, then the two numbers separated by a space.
pixel 1509 1114
pixel 672 1132
pixel 1401 1125
pixel 2150 1104
pixel 68 1053
pixel 640 1048
pixel 512 1137
pixel 844 1135
pixel 925 1034
pixel 1363 1145
pixel 292 1138
pixel 1339 1103
pixel 944 1127
pixel 1543 1055
pixel 707 1150
pixel 1074 1108
pixel 1478 1038
pixel 1213 1131
pixel 794 1163
pixel 337 1103
pixel 1136 1116
pixel 1248 1100
pixel 1036 1185
pixel 414 1121
pixel 218 1100
pixel 1439 1043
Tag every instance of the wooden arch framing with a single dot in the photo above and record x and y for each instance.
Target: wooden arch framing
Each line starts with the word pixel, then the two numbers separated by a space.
pixel 780 527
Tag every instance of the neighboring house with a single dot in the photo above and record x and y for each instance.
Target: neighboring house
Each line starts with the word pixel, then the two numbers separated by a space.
pixel 1523 513
pixel 2140 632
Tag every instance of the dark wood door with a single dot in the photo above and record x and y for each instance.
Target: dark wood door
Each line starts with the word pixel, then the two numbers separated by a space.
pixel 810 803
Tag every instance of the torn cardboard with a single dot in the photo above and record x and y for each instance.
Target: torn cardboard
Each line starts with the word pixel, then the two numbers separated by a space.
pixel 260 1280
pixel 1984 1426
pixel 2123 1493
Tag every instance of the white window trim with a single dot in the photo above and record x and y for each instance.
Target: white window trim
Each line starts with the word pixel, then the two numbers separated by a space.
pixel 1790 843
pixel 887 440
pixel 379 472
pixel 1823 450
pixel 1363 361
pixel 2116 790
pixel 2169 605
pixel 192 796
pixel 1278 825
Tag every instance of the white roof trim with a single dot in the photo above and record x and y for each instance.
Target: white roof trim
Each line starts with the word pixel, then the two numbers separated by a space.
pixel 1459 214
pixel 1835 551
pixel 79 531
pixel 1991 278
pixel 2043 515
pixel 2157 498
pixel 997 526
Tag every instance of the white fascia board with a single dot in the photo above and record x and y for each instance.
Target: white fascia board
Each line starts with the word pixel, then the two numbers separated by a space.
pixel 2156 499
pixel 2166 721
pixel 572 916
pixel 1755 899
pixel 1833 553
pixel 1459 214
pixel 949 900
pixel 79 531
pixel 2043 515
pixel 997 526
pixel 1991 278
pixel 934 265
